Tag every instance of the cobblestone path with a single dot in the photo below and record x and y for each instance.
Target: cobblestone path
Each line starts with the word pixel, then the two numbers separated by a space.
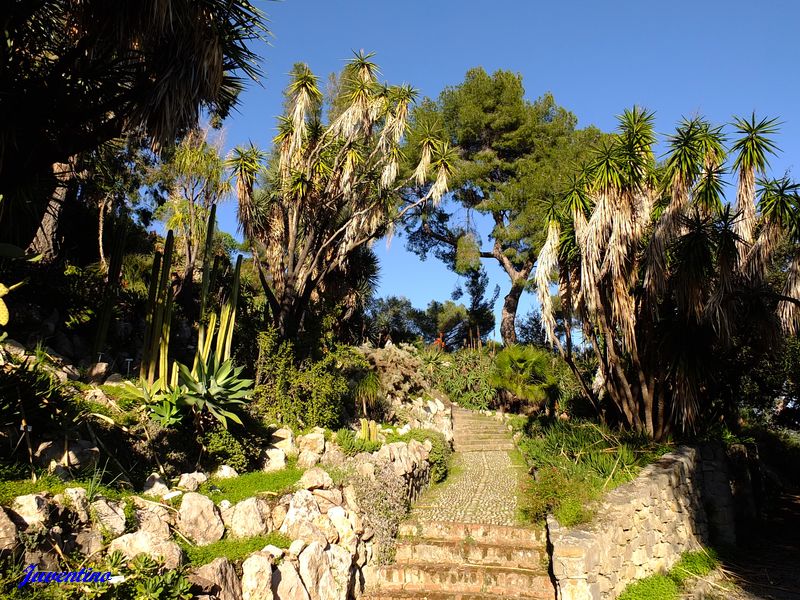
pixel 484 483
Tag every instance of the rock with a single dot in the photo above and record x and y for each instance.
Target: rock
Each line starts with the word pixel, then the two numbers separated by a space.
pixel 110 516
pixel 249 518
pixel 76 499
pixel 296 547
pixel 257 577
pixel 350 498
pixel 302 509
pixel 316 573
pixel 314 479
pixel 344 528
pixel 225 472
pixel 284 440
pixel 154 485
pixel 98 372
pixel 366 469
pixel 14 348
pixel 333 457
pixel 192 481
pixel 89 541
pixel 323 523
pixel 199 520
pixel 341 562
pixel 81 454
pixel 279 514
pixel 114 379
pixel 312 442
pixel 154 519
pixel 133 544
pixel 286 583
pixel 8 532
pixel 327 499
pixel 221 574
pixel 307 459
pixel 275 460
pixel 273 550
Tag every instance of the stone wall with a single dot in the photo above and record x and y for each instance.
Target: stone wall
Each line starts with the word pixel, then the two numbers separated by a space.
pixel 675 505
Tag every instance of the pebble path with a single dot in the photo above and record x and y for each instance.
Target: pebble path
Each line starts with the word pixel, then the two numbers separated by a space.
pixel 484 483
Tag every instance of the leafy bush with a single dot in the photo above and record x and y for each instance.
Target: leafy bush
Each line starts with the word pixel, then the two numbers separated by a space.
pixel 351 444
pixel 465 376
pixel 669 586
pixel 224 449
pixel 384 503
pixel 694 564
pixel 311 394
pixel 525 372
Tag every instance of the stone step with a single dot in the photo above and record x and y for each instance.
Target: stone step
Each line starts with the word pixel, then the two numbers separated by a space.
pixel 504 435
pixel 469 553
pixel 484 447
pixel 498 581
pixel 401 595
pixel 497 535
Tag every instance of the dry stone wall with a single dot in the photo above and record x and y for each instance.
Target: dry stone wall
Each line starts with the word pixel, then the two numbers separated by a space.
pixel 675 505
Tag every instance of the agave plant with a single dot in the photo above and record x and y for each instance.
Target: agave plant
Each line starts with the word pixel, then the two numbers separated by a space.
pixel 214 388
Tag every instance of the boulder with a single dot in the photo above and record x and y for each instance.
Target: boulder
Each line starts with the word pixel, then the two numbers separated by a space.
pixel 314 479
pixel 333 456
pixel 78 502
pixel 339 518
pixel 302 509
pixel 284 439
pixel 307 459
pixel 81 454
pixel 109 515
pixel 89 540
pixel 275 460
pixel 248 518
pixel 273 550
pixel 98 372
pixel 114 379
pixel 199 520
pixel 286 583
pixel 8 532
pixel 327 499
pixel 133 544
pixel 350 498
pixel 340 561
pixel 323 523
pixel 312 442
pixel 296 547
pixel 154 519
pixel 221 575
pixel 257 577
pixel 316 573
pixel 279 514
pixel 225 472
pixel 14 348
pixel 155 485
pixel 192 481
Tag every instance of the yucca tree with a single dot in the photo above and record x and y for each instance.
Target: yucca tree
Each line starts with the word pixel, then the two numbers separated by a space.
pixel 330 187
pixel 648 261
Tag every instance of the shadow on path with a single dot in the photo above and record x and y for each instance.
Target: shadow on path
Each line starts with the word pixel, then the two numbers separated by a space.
pixel 767 563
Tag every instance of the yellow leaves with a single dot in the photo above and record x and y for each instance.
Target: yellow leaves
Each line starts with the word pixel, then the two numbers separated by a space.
pixel 3 313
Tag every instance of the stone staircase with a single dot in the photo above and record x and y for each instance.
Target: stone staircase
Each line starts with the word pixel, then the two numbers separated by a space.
pixel 458 544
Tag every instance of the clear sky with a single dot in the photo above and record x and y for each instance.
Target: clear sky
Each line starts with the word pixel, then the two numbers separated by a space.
pixel 717 58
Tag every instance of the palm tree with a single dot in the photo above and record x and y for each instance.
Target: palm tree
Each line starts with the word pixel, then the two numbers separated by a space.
pixel 647 258
pixel 329 188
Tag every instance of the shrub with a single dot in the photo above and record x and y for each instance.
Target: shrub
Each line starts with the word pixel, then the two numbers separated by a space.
pixel 384 503
pixel 311 394
pixel 526 373
pixel 465 376
pixel 224 449
pixel 351 444
pixel 693 564
pixel 655 587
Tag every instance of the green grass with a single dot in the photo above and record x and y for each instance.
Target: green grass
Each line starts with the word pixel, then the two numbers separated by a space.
pixel 9 489
pixel 232 548
pixel 670 585
pixel 251 484
pixel 576 461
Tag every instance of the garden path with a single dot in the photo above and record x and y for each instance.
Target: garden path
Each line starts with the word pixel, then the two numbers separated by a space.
pixel 461 540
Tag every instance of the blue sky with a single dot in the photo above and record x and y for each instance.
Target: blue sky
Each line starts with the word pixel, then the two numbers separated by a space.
pixel 717 58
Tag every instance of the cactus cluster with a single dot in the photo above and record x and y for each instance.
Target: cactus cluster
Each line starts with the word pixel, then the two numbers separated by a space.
pixel 369 430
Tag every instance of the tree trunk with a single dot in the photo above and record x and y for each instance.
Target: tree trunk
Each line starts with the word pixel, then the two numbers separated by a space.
pixel 44 243
pixel 508 330
pixel 101 218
